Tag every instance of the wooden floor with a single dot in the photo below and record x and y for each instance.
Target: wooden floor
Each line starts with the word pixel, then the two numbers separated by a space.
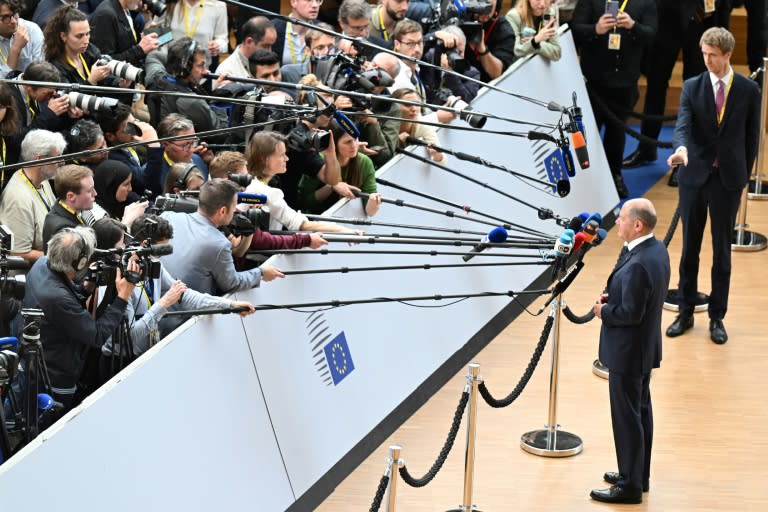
pixel 711 435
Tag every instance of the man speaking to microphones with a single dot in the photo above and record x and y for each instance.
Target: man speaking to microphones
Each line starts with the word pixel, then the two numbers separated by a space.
pixel 497 235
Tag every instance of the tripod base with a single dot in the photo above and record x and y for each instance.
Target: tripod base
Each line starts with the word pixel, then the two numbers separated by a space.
pixel 551 443
pixel 599 369
pixel 746 241
pixel 758 190
pixel 671 302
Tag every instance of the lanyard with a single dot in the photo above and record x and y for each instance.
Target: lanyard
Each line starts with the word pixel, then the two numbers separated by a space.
pixel 37 190
pixel 623 6
pixel 2 175
pixel 86 69
pixel 3 55
pixel 73 212
pixel 168 159
pixel 291 48
pixel 144 285
pixel 190 32
pixel 721 114
pixel 382 29
pixel 134 155
pixel 130 22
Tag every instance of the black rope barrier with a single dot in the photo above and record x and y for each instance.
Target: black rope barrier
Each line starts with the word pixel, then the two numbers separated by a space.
pixel 672 226
pixel 504 402
pixel 421 482
pixel 376 503
pixel 603 108
pixel 576 319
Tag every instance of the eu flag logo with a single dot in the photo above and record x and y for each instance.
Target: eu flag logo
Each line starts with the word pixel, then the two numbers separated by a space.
pixel 339 359
pixel 556 168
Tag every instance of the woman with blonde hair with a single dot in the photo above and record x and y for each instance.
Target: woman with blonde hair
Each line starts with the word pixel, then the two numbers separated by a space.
pixel 535 29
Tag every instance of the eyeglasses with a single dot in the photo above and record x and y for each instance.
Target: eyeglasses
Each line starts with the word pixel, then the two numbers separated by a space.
pixel 186 145
pixel 5 18
pixel 411 44
pixel 318 2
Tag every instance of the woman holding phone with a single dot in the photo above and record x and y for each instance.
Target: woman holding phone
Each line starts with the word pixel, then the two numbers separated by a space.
pixel 535 28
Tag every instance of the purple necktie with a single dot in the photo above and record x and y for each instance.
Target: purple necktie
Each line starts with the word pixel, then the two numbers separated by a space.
pixel 719 98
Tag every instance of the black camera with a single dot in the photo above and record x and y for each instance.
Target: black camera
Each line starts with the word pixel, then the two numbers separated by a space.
pixel 11 288
pixel 242 180
pixel 275 111
pixel 304 138
pixel 455 61
pixel 91 103
pixel 245 223
pixel 156 7
pixel 121 69
pixel 463 14
pixel 174 203
pixel 345 73
pixel 107 261
pixel 466 113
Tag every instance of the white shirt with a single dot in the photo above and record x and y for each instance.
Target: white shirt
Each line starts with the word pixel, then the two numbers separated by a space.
pixel 207 23
pixel 32 52
pixel 637 241
pixel 280 214
pixel 726 80
pixel 235 65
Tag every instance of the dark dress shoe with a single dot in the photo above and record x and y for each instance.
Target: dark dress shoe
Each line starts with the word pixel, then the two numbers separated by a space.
pixel 621 187
pixel 681 324
pixel 616 494
pixel 639 157
pixel 717 332
pixel 613 478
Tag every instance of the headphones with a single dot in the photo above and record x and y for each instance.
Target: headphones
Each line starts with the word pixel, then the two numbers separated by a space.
pixel 181 181
pixel 81 260
pixel 187 60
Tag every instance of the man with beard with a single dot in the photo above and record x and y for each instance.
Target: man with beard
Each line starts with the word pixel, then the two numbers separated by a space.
pixel 116 27
pixel 386 16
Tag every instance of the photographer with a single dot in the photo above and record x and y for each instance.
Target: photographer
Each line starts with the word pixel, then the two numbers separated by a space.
pixel 151 298
pixel 204 256
pixel 68 329
pixel 43 107
pixel 449 53
pixel 116 31
pixel 492 50
pixel 28 197
pixel 21 41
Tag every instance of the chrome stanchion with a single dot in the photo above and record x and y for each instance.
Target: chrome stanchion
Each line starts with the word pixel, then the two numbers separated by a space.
pixel 743 239
pixel 599 369
pixel 473 381
pixel 551 441
pixel 394 462
pixel 758 188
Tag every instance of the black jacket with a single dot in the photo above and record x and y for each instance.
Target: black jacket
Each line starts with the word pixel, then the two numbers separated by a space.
pixel 57 219
pixel 68 329
pixel 613 68
pixel 499 40
pixel 113 35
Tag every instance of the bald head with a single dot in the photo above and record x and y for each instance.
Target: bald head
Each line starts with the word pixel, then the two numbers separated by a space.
pixel 387 62
pixel 643 210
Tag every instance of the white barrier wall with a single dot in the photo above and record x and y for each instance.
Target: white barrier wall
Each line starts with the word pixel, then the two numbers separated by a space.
pixel 271 412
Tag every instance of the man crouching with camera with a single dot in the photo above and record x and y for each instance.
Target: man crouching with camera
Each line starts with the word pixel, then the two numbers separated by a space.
pixel 67 328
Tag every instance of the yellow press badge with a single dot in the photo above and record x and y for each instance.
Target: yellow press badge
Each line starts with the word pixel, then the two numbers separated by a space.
pixel 614 41
pixel 709 6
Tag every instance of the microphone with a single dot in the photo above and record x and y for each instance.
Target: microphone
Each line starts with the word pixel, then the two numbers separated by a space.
pixel 580 146
pixel 590 231
pixel 563 187
pixel 346 124
pixel 578 240
pixel 154 250
pixel 496 236
pixel 597 218
pixel 410 139
pixel 534 135
pixel 599 237
pixel 575 223
pixel 564 244
pixel 246 198
pixel 9 343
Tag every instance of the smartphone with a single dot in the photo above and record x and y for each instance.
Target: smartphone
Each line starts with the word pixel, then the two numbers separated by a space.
pixel 546 17
pixel 612 8
pixel 165 38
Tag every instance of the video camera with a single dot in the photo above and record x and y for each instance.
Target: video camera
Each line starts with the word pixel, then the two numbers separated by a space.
pixel 10 287
pixel 258 111
pixel 105 263
pixel 463 14
pixel 246 223
pixel 345 73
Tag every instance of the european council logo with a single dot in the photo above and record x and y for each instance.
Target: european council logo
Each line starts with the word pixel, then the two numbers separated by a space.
pixel 339 359
pixel 556 167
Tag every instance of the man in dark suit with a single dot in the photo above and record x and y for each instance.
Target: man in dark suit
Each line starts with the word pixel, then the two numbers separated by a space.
pixel 630 345
pixel 716 137
pixel 117 35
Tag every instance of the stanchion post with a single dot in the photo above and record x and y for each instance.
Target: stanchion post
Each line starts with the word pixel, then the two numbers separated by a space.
pixel 743 239
pixel 473 381
pixel 757 186
pixel 394 463
pixel 551 441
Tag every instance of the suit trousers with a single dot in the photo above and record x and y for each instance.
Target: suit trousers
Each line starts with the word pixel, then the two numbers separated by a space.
pixel 619 101
pixel 723 206
pixel 632 420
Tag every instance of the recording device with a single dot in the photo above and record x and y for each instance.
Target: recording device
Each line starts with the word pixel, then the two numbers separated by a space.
pixel 246 223
pixel 165 38
pixel 304 138
pixel 590 231
pixel 174 203
pixel 156 7
pixel 463 14
pixel 580 147
pixel 90 103
pixel 564 244
pixel 612 8
pixel 242 180
pixel 578 241
pixel 105 262
pixel 455 61
pixel 345 73
pixel 11 288
pixel 255 111
pixel 466 113
pixel 121 69
pixel 497 235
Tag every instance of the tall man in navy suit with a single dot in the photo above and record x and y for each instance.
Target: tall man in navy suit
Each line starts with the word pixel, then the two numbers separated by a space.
pixel 716 137
pixel 630 345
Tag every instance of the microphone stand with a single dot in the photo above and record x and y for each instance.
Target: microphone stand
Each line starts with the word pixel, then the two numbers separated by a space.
pixel 551 441
pixel 368 222
pixel 208 311
pixel 425 266
pixel 544 213
pixel 535 261
pixel 366 239
pixel 517 242
pixel 477 160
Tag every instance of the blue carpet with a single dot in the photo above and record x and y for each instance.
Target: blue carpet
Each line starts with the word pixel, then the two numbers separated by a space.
pixel 640 179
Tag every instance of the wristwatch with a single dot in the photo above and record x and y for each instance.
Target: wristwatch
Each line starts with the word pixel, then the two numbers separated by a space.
pixel 486 52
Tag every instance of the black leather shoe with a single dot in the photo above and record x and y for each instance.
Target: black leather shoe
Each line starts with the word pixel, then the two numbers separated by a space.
pixel 639 157
pixel 681 324
pixel 613 478
pixel 616 494
pixel 717 331
pixel 621 187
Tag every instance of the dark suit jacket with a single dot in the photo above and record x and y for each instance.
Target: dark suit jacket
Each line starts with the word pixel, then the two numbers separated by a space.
pixel 630 338
pixel 111 33
pixel 733 143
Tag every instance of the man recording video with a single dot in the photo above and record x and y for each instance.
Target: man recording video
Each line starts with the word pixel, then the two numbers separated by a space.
pixel 67 327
